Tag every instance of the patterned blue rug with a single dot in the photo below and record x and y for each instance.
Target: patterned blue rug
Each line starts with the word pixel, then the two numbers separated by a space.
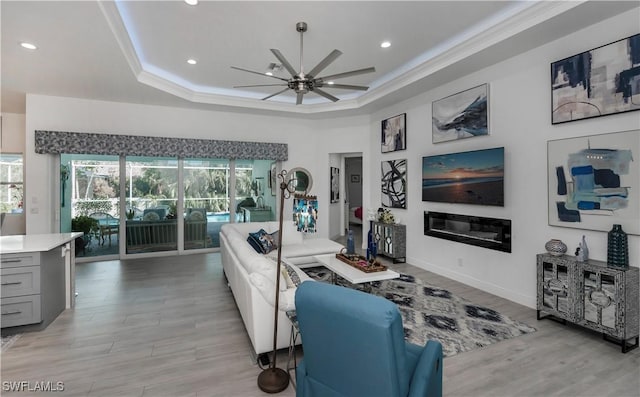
pixel 429 312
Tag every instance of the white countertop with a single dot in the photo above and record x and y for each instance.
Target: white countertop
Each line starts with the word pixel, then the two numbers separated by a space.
pixel 35 242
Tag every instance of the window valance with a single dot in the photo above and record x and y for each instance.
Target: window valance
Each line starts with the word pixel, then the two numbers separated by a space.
pixel 57 142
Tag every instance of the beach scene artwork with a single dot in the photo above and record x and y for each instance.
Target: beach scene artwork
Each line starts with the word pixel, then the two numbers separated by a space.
pixel 475 177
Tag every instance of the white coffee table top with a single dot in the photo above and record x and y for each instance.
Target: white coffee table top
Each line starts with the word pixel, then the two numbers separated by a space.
pixel 350 273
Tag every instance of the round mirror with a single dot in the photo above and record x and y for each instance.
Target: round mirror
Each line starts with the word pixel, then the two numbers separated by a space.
pixel 300 179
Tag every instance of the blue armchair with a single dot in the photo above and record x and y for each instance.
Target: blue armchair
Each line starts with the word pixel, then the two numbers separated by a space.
pixel 354 345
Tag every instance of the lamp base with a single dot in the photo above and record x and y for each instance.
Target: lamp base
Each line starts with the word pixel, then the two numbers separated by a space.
pixel 273 380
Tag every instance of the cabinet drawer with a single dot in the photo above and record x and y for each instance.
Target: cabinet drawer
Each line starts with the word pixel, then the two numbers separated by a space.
pixel 20 310
pixel 18 260
pixel 20 281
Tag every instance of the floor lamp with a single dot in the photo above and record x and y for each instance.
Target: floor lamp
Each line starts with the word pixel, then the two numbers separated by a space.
pixel 273 379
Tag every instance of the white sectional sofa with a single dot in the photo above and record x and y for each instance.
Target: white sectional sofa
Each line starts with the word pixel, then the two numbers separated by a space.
pixel 251 277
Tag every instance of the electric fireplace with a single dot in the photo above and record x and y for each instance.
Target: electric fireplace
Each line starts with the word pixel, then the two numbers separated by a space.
pixel 492 233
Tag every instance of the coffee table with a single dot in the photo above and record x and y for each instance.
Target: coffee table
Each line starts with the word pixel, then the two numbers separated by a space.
pixel 350 273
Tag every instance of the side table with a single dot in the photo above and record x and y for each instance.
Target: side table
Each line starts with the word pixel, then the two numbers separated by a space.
pixel 295 332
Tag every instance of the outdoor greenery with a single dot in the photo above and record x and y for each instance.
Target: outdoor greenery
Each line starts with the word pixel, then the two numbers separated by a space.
pixel 85 224
pixel 153 184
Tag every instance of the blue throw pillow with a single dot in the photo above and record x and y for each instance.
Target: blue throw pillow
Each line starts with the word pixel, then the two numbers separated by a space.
pixel 262 241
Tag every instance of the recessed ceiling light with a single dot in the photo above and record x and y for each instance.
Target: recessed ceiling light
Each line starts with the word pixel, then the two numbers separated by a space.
pixel 191 2
pixel 385 44
pixel 269 73
pixel 330 82
pixel 28 46
pixel 191 61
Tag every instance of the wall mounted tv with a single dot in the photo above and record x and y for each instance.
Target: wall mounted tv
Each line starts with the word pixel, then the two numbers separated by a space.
pixel 474 177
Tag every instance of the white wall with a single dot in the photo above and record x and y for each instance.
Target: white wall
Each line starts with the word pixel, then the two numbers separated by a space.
pixel 12 141
pixel 307 148
pixel 519 94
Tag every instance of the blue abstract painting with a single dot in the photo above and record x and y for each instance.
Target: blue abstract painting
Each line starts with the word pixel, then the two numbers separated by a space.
pixel 602 81
pixel 462 115
pixel 594 181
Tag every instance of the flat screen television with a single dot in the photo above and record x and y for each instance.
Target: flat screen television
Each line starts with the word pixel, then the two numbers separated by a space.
pixel 474 177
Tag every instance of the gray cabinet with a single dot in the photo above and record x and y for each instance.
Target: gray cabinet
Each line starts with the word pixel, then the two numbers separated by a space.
pixel 590 294
pixel 391 240
pixel 32 288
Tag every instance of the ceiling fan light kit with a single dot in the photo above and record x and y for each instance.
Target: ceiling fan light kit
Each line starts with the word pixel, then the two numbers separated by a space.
pixel 302 83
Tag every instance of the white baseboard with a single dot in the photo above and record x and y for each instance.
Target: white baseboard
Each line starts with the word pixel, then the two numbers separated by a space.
pixel 514 296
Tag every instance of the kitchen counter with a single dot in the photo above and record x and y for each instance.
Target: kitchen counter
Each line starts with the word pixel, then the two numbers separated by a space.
pixel 38 279
pixel 34 242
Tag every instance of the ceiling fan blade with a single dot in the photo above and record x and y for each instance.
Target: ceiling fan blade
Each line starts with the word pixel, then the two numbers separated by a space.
pixel 284 62
pixel 346 86
pixel 261 74
pixel 299 98
pixel 325 94
pixel 259 85
pixel 277 93
pixel 324 63
pixel 347 74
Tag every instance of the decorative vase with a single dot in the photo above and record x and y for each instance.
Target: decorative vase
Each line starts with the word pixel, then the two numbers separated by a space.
pixel 556 247
pixel 350 243
pixel 617 247
pixel 371 243
pixel 582 253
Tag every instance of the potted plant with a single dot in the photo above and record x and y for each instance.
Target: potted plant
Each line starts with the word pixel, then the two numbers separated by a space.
pixel 86 225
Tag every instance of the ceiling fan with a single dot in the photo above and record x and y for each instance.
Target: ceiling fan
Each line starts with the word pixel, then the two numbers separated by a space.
pixel 302 82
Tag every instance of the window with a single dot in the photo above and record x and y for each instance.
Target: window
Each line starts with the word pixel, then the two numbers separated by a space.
pixel 11 183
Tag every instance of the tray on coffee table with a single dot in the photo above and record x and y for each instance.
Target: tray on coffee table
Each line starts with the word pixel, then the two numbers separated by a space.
pixel 361 263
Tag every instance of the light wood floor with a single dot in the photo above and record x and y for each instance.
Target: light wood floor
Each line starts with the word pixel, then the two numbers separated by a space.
pixel 169 327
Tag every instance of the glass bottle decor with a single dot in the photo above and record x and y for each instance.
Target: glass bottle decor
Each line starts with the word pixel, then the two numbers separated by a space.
pixel 555 247
pixel 617 247
pixel 582 253
pixel 369 239
pixel 350 243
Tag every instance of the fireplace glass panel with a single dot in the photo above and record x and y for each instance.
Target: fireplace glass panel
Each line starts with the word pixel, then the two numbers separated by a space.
pixel 490 233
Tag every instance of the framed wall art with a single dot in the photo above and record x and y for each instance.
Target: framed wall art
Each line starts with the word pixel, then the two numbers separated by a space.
pixel 394 183
pixel 273 178
pixel 598 82
pixel 335 184
pixel 594 182
pixel 475 177
pixel 394 133
pixel 305 213
pixel 461 115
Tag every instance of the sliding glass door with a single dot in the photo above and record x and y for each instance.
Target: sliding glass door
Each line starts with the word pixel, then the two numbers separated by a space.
pixel 206 201
pixel 167 204
pixel 151 201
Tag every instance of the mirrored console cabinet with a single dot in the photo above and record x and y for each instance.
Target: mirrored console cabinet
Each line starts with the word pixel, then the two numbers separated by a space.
pixel 391 240
pixel 591 294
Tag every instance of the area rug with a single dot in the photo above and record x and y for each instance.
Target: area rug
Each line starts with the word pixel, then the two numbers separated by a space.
pixel 429 312
pixel 7 341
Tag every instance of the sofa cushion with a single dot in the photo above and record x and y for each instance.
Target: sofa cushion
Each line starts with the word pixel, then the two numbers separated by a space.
pixel 262 241
pixel 290 235
pixel 266 287
pixel 311 247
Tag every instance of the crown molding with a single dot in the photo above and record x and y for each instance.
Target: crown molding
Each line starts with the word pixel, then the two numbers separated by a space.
pixel 531 15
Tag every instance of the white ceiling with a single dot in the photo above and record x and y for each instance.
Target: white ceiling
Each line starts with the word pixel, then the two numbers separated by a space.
pixel 136 51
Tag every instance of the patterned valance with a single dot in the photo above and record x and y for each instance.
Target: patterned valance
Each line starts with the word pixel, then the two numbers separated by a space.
pixel 58 142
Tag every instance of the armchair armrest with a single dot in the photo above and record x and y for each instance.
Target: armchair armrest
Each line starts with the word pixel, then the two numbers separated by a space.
pixel 426 380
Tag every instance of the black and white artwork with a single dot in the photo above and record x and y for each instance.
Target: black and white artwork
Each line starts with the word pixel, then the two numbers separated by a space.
pixel 394 183
pixel 394 133
pixel 461 115
pixel 599 82
pixel 335 184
